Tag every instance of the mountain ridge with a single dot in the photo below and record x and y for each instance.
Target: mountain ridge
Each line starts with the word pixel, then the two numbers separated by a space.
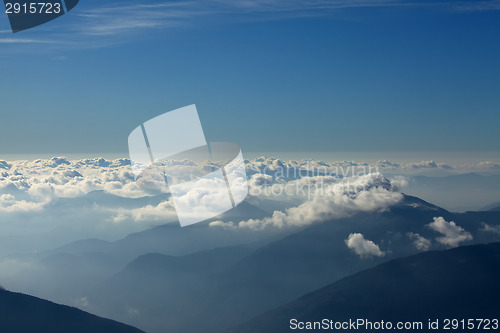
pixel 21 313
pixel 288 267
pixel 430 285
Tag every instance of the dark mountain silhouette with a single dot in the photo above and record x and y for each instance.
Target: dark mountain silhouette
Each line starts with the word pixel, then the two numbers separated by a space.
pixel 460 283
pixel 21 313
pixel 280 271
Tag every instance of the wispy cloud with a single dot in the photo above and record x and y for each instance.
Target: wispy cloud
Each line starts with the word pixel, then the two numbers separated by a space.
pixel 118 19
pixel 109 24
pixel 477 5
pixel 25 41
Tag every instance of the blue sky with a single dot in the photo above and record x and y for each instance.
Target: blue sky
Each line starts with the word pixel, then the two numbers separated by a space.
pixel 269 75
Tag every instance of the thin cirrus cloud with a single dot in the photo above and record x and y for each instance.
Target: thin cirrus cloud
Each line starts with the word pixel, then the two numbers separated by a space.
pixel 119 18
pixel 25 41
pixel 106 24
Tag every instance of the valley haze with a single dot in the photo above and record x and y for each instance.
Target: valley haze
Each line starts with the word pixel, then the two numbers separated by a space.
pixel 123 255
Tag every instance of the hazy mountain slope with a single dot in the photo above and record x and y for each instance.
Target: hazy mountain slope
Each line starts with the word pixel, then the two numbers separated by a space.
pixel 66 273
pixel 21 313
pixel 318 255
pixel 460 283
pixel 289 267
pixel 169 238
pixel 159 284
pixel 468 191
pixel 102 198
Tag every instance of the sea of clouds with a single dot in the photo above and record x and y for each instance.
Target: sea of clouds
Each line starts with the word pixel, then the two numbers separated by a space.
pixel 56 196
pixel 29 186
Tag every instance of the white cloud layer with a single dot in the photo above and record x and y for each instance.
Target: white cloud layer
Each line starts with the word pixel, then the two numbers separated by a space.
pixel 9 204
pixel 453 234
pixel 334 198
pixel 317 190
pixel 164 211
pixel 45 180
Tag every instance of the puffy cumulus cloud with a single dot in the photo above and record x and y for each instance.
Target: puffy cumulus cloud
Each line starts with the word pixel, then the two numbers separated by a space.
pixel 69 178
pixel 335 198
pixel 481 166
pixel 399 182
pixel 453 234
pixel 296 169
pixel 102 163
pixel 420 242
pixel 9 204
pixel 393 166
pixel 43 192
pixel 488 165
pixel 202 198
pixel 260 180
pixel 223 225
pixel 427 165
pixel 388 165
pixel 164 211
pixel 363 247
pixel 45 180
pixel 491 228
pixel 13 181
pixel 307 182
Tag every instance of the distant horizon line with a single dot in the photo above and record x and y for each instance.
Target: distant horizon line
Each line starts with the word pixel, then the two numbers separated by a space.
pixel 455 156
